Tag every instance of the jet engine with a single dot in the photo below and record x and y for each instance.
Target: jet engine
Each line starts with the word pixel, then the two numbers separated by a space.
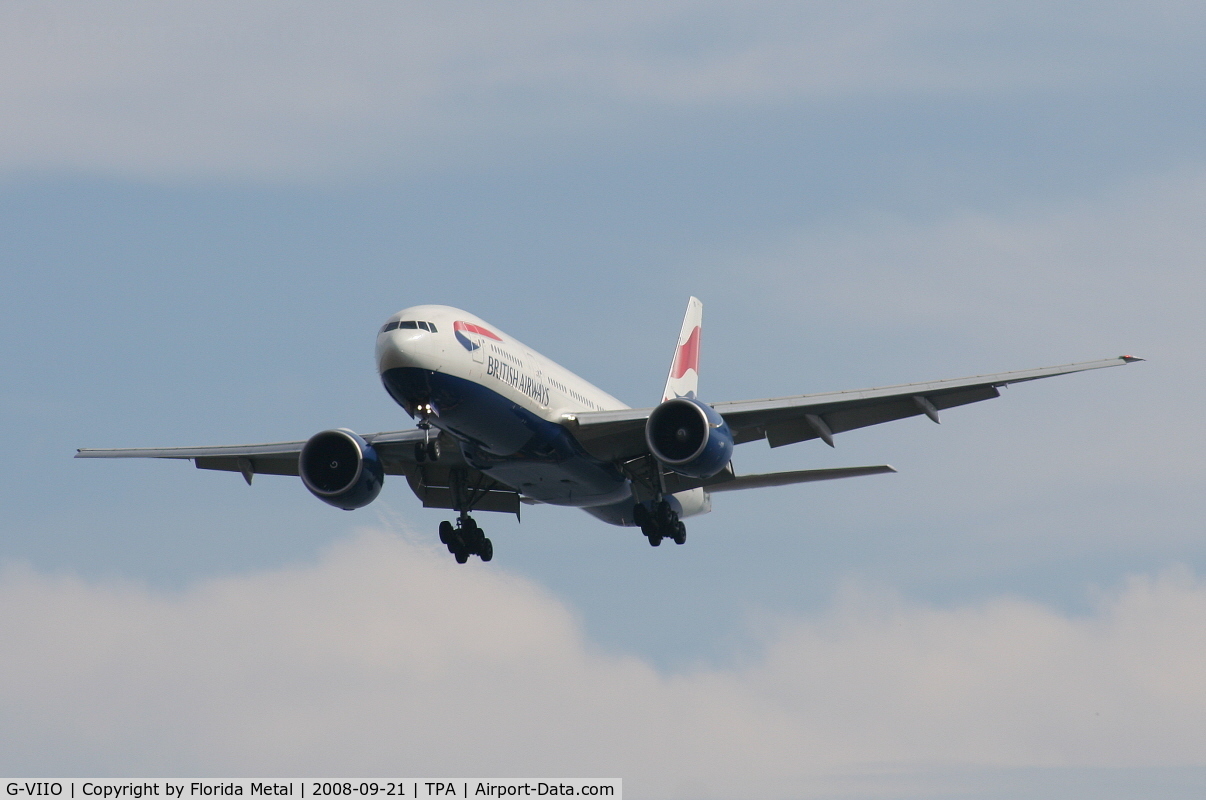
pixel 689 437
pixel 340 468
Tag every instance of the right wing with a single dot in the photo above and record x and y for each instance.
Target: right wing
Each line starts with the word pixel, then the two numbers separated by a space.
pixel 620 435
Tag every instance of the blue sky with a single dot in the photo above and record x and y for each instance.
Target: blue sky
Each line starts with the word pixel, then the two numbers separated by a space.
pixel 208 209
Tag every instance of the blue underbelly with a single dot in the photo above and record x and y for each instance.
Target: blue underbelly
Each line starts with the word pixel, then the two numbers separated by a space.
pixel 537 458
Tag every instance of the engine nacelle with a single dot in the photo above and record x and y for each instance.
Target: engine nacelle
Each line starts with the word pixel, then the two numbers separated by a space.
pixel 689 437
pixel 340 468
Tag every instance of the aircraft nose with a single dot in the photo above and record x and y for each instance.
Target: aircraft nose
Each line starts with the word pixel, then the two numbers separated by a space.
pixel 390 352
pixel 399 348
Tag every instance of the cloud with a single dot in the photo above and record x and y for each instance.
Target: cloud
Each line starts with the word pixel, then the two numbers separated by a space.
pixel 385 658
pixel 299 90
pixel 1121 259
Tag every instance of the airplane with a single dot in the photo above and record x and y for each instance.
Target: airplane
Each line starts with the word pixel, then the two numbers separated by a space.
pixel 500 426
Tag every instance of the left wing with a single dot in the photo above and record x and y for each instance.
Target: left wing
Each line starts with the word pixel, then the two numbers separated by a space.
pixel 396 448
pixel 432 483
pixel 620 435
pixel 275 458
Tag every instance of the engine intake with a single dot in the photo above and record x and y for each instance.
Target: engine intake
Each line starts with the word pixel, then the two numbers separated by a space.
pixel 340 468
pixel 689 437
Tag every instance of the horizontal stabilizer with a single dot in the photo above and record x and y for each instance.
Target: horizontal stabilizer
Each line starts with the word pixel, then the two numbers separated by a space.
pixel 797 476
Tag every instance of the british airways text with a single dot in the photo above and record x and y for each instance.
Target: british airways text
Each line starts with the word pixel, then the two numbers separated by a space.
pixel 513 377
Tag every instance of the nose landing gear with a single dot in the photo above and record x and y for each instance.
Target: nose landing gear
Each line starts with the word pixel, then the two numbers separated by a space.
pixel 429 448
pixel 661 523
pixel 466 539
pixel 427 451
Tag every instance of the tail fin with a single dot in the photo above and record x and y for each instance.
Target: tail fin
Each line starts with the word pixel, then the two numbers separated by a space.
pixel 684 370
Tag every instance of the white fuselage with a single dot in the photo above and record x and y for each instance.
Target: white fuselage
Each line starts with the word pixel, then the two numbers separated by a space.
pixel 506 405
pixel 500 363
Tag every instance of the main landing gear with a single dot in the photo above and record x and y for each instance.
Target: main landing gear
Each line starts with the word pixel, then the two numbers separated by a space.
pixel 466 539
pixel 662 522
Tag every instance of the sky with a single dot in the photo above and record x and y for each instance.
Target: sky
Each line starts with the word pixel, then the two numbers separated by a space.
pixel 208 209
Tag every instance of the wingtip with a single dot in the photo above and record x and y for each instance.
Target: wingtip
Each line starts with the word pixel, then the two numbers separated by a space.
pixel 1130 359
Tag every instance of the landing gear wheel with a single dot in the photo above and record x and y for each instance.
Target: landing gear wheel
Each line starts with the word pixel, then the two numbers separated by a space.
pixel 433 450
pixel 466 539
pixel 664 515
pixel 660 523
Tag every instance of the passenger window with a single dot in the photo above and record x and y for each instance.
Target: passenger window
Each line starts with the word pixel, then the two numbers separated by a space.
pixel 410 323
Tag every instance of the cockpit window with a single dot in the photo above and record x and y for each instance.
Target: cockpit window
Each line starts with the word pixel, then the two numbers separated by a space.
pixel 409 324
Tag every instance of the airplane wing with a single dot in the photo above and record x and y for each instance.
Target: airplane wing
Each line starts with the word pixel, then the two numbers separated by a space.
pixel 274 458
pixel 620 435
pixel 432 483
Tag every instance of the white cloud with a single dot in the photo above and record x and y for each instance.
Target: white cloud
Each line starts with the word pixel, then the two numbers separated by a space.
pixel 1127 261
pixel 386 658
pixel 302 89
